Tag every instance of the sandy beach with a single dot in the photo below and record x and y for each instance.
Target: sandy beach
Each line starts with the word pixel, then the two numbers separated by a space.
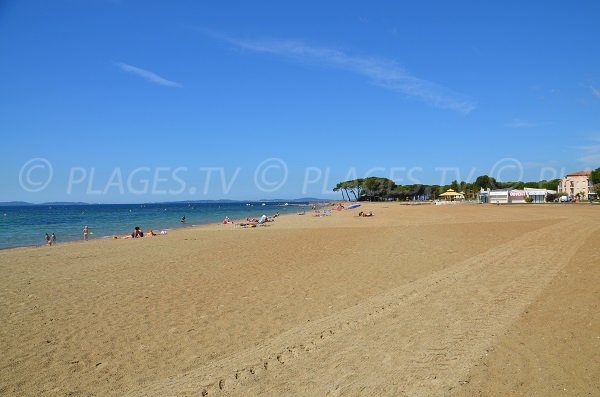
pixel 465 300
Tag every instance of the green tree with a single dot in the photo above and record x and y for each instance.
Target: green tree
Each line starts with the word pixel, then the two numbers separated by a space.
pixel 375 188
pixel 550 185
pixel 595 177
pixel 340 188
pixel 354 186
pixel 485 182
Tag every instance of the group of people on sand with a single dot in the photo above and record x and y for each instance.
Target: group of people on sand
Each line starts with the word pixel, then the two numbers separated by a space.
pixel 318 213
pixel 253 222
pixel 139 233
pixel 50 240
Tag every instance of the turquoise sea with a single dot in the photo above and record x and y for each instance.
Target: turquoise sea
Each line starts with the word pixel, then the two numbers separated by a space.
pixel 27 225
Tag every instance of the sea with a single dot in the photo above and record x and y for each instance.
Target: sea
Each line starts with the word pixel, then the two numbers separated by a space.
pixel 26 225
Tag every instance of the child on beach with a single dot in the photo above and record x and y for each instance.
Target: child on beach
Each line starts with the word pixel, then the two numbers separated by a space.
pixel 85 233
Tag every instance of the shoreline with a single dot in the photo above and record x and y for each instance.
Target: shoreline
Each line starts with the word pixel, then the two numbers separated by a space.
pixel 320 205
pixel 170 230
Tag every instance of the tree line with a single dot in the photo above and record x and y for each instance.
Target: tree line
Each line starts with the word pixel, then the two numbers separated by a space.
pixel 378 189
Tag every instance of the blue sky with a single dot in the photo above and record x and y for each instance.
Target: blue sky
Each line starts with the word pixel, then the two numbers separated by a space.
pixel 114 94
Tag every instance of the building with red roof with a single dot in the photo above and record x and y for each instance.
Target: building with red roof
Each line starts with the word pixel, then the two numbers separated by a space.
pixel 577 184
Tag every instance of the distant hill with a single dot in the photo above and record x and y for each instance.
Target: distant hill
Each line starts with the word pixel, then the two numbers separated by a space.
pixel 57 203
pixel 296 200
pixel 65 203
pixel 197 202
pixel 25 203
pixel 14 203
pixel 276 200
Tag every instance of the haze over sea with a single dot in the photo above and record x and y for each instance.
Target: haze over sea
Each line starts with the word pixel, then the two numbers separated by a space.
pixel 26 225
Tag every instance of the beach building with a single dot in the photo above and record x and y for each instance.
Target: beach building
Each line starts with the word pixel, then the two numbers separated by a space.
pixel 451 195
pixel 499 196
pixel 507 196
pixel 517 196
pixel 577 183
pixel 539 195
pixel 484 195
pixel 514 196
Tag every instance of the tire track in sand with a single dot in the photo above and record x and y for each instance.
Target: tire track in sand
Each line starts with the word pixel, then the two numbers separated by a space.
pixel 419 339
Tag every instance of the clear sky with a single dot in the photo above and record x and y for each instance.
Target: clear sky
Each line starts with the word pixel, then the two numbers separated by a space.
pixel 132 101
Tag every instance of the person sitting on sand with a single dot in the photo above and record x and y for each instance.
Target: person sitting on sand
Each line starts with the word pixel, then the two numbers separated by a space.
pixel 263 219
pixel 226 221
pixel 137 233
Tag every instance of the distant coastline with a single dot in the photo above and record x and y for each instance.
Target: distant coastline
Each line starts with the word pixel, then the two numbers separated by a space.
pixel 222 201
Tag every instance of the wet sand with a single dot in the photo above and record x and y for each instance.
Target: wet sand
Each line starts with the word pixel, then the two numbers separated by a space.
pixel 416 301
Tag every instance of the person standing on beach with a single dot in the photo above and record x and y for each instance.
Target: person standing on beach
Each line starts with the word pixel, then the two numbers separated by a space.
pixel 53 237
pixel 183 219
pixel 85 233
pixel 48 241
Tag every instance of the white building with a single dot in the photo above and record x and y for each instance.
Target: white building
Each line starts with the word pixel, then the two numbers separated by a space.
pixel 499 196
pixel 538 195
pixel 515 196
